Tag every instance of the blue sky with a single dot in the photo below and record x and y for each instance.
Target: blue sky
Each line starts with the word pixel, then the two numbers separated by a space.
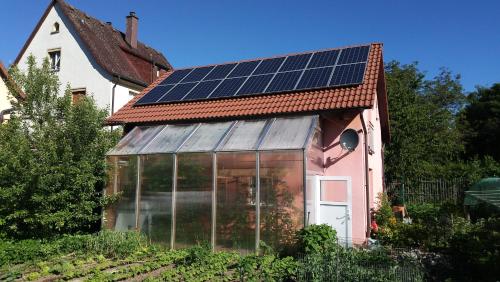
pixel 463 36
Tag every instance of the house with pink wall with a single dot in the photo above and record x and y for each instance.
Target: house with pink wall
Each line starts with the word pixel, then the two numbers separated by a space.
pixel 245 152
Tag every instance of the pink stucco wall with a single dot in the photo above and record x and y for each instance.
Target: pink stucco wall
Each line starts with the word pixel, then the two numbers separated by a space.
pixel 339 162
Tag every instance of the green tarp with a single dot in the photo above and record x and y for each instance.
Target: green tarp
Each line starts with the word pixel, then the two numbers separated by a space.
pixel 487 190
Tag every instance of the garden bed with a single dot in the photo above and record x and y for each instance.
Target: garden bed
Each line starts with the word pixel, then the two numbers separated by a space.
pixel 114 256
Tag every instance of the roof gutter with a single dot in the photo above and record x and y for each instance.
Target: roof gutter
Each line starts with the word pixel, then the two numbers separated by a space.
pixel 134 81
pixel 367 177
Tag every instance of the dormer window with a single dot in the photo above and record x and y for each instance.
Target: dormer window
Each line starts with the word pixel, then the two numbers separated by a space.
pixel 55 28
pixel 55 59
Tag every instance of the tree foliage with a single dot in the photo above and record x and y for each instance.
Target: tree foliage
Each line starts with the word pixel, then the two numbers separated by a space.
pixel 480 123
pixel 437 130
pixel 52 159
pixel 422 119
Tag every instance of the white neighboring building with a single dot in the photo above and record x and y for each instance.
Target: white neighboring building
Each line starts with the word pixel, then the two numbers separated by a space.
pixel 5 96
pixel 92 56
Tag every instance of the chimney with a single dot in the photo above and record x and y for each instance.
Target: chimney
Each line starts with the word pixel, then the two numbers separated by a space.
pixel 131 34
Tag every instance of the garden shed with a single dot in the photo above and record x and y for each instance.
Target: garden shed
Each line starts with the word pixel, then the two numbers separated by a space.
pixel 247 152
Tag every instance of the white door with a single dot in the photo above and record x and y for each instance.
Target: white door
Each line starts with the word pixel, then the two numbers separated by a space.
pixel 335 205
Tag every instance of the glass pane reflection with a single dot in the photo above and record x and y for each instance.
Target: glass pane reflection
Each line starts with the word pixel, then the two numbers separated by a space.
pixel 155 215
pixel 121 215
pixel 281 197
pixel 235 223
pixel 193 199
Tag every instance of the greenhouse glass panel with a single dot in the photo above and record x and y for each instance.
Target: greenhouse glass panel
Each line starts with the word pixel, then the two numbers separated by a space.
pixel 288 133
pixel 155 213
pixel 236 207
pixel 245 135
pixel 109 214
pixel 206 137
pixel 314 153
pixel 169 139
pixel 281 197
pixel 121 215
pixel 193 202
pixel 135 140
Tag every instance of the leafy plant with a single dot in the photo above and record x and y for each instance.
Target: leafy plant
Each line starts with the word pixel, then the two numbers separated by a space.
pixel 316 239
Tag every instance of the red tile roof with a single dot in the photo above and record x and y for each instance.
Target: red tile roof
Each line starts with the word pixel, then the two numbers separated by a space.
pixel 109 47
pixel 360 96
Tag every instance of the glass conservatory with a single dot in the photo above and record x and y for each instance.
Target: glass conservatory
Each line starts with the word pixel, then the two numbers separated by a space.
pixel 232 184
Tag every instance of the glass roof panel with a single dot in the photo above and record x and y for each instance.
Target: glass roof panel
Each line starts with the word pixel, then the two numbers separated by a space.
pixel 245 136
pixel 135 140
pixel 206 137
pixel 169 139
pixel 288 133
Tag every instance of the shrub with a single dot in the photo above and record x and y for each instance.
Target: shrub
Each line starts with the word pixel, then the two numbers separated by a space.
pixel 474 250
pixel 316 239
pixel 52 160
pixel 430 228
pixel 385 219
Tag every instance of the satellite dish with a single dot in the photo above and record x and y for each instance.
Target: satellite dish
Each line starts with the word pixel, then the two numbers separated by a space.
pixel 349 139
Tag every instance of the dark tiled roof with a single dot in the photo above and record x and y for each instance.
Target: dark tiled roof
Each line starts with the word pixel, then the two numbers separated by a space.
pixel 359 96
pixel 109 48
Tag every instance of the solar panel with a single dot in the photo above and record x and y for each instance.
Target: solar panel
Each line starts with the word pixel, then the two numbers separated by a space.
pixel 315 78
pixel 228 87
pixel 154 95
pixel 220 71
pixel 313 70
pixel 284 81
pixel 255 84
pixel 197 74
pixel 202 90
pixel 323 59
pixel 269 66
pixel 348 74
pixel 296 62
pixel 178 92
pixel 176 76
pixel 244 69
pixel 354 55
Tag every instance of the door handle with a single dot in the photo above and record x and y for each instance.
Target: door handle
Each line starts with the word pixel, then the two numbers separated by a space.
pixel 345 216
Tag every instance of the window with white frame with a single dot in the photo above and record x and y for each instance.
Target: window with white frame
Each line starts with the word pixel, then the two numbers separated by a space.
pixel 55 59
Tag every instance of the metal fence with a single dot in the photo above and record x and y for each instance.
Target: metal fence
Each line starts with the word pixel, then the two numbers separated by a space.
pixel 350 267
pixel 427 191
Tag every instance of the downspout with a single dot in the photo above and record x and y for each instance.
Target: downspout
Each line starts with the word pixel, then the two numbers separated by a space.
pixel 4 113
pixel 367 177
pixel 116 80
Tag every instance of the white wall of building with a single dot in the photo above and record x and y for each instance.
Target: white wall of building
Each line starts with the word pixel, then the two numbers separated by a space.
pixel 122 96
pixel 4 97
pixel 78 68
pixel 375 160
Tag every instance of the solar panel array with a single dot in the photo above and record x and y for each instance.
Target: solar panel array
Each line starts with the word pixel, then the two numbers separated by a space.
pixel 315 70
